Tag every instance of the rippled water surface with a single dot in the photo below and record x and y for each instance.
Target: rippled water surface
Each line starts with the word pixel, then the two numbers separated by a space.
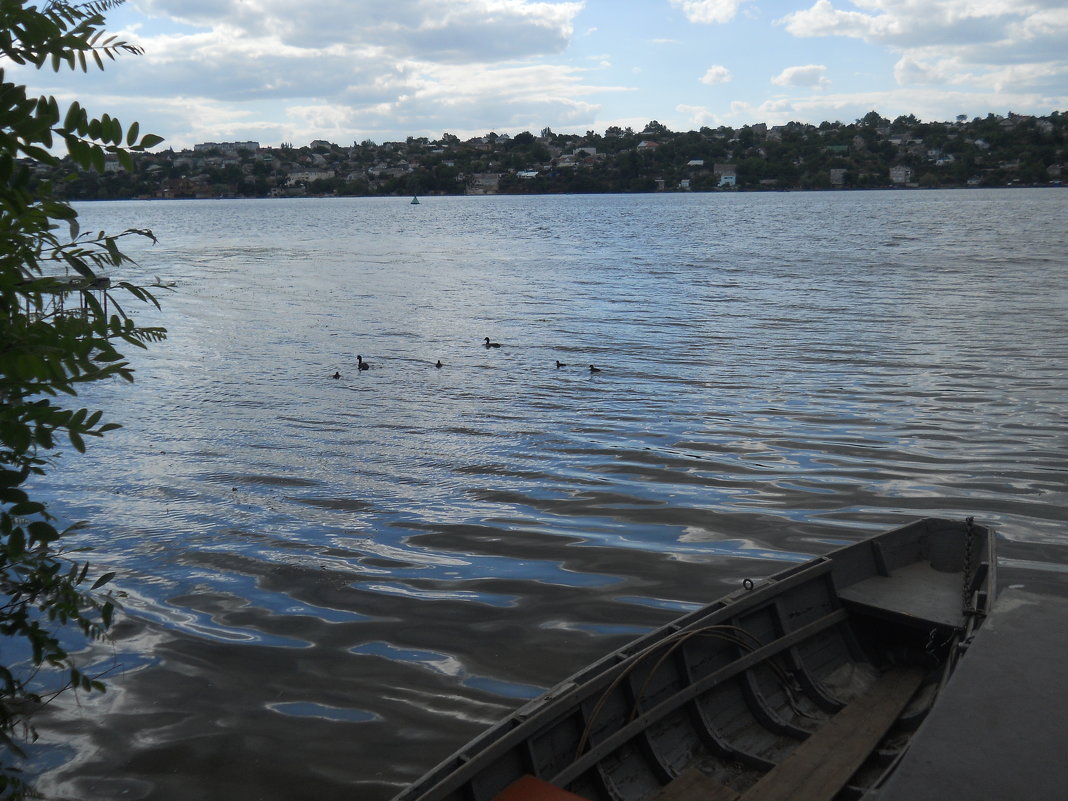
pixel 331 584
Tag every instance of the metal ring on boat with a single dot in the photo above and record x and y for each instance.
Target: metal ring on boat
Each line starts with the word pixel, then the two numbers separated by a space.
pixel 748 584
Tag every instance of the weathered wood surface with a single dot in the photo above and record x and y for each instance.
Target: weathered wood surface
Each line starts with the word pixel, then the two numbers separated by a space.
pixel 821 765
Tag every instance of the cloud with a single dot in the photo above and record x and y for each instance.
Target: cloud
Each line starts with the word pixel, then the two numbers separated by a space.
pixel 698 116
pixel 925 103
pixel 908 23
pixel 437 30
pixel 709 11
pixel 335 68
pixel 987 44
pixel 716 74
pixel 810 75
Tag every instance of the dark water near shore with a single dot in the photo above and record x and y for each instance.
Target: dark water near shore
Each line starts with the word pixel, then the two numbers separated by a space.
pixel 332 584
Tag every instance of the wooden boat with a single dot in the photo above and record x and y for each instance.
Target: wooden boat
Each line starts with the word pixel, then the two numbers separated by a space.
pixel 803 686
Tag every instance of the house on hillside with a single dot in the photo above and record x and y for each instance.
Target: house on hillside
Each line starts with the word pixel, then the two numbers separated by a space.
pixel 900 175
pixel 727 174
pixel 307 176
pixel 484 183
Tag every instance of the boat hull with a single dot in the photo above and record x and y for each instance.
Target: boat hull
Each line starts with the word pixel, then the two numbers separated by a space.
pixel 726 694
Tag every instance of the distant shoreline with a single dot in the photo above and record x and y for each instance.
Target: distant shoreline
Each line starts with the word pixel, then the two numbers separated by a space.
pixel 753 191
pixel 873 153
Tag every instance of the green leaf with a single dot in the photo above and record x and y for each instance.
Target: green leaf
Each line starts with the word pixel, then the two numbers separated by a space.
pixel 96 156
pixel 16 544
pixel 42 532
pixel 104 579
pixel 26 508
pixel 70 121
pixel 10 478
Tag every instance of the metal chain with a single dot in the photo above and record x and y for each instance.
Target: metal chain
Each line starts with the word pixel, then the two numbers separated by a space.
pixel 969 568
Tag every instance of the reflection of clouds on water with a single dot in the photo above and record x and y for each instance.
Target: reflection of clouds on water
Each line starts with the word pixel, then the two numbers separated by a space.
pixel 307 709
pixel 441 663
pixel 449 666
pixel 451 594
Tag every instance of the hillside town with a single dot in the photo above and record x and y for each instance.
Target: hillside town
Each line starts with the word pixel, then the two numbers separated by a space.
pixel 871 153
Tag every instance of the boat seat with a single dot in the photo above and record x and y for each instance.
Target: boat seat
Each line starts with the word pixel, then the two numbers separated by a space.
pixel 916 590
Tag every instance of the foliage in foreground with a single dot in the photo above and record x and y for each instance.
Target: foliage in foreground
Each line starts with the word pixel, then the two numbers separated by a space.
pixel 60 327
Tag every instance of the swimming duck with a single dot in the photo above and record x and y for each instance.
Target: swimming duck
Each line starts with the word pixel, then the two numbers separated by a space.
pixel 594 369
pixel 492 344
pixel 560 364
pixel 438 365
pixel 336 375
pixel 361 364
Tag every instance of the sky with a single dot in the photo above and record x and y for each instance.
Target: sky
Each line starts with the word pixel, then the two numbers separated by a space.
pixel 346 71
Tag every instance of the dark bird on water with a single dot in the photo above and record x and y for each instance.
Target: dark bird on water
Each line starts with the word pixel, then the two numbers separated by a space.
pixel 361 364
pixel 594 369
pixel 336 375
pixel 560 364
pixel 492 344
pixel 438 365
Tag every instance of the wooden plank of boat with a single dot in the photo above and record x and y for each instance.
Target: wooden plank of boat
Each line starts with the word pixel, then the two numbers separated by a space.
pixel 719 700
pixel 822 764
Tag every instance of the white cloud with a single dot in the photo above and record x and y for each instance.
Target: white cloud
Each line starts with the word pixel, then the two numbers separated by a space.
pixel 910 72
pixel 823 19
pixel 698 116
pixel 437 30
pixel 925 103
pixel 810 75
pixel 988 44
pixel 716 74
pixel 370 68
pixel 910 23
pixel 709 11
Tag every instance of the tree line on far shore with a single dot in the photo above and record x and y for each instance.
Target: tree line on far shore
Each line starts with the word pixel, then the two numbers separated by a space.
pixel 872 152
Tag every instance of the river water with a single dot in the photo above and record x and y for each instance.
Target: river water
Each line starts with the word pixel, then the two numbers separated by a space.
pixel 329 585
